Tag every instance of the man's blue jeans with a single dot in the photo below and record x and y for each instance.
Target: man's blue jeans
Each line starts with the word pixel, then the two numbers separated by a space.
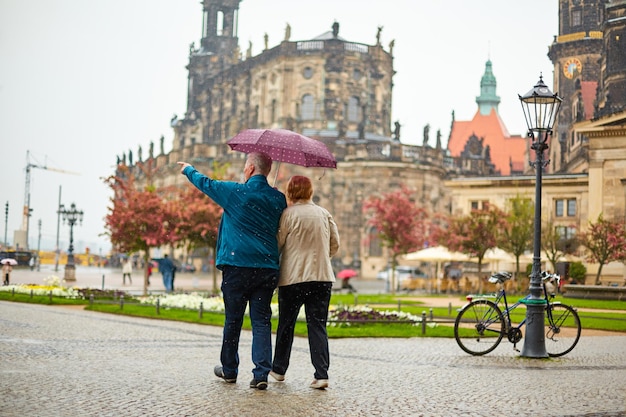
pixel 167 281
pixel 241 286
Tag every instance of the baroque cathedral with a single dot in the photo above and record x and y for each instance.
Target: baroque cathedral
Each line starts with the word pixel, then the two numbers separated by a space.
pixel 339 92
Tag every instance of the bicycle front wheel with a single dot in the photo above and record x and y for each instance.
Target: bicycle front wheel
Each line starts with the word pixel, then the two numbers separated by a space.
pixel 479 327
pixel 562 329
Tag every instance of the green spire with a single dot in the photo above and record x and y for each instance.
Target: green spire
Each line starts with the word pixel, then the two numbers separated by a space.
pixel 488 99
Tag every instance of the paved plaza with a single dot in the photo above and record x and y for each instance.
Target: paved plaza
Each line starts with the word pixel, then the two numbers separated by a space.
pixel 64 361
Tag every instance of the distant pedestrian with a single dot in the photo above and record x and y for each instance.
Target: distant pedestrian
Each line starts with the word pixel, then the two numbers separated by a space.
pixel 127 269
pixel 166 266
pixel 149 271
pixel 307 239
pixel 247 255
pixel 31 263
pixel 6 273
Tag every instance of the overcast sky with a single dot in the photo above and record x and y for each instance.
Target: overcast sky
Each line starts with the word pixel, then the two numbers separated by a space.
pixel 84 81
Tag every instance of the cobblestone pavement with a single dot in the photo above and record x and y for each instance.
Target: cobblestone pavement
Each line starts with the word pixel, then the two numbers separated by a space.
pixel 60 361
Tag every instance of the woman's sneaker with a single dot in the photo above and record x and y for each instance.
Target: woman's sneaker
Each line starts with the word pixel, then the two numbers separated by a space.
pixel 278 377
pixel 319 384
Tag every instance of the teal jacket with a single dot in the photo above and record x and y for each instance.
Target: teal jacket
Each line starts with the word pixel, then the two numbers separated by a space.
pixel 247 235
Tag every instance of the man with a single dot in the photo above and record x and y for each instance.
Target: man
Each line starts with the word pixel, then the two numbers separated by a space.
pixel 166 267
pixel 247 255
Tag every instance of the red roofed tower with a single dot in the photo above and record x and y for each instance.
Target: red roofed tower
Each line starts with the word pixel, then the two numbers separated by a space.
pixel 483 146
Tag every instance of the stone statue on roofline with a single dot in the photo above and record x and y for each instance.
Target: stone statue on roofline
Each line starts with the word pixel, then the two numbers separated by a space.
pixel 396 130
pixel 161 140
pixel 335 29
pixel 378 32
pixel 426 134
pixel 287 32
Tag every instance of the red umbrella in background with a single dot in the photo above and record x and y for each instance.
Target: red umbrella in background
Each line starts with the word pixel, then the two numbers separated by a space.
pixel 284 146
pixel 347 274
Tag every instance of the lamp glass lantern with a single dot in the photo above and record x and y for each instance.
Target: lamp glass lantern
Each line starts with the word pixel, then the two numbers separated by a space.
pixel 541 108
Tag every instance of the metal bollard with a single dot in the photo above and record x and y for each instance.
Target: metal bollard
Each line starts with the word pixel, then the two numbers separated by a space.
pixel 90 299
pixel 399 305
pixel 50 295
pixel 200 311
pixel 449 309
pixel 31 293
pixel 158 306
pixel 122 302
pixel 423 323
pixel 102 282
pixel 432 317
pixel 356 300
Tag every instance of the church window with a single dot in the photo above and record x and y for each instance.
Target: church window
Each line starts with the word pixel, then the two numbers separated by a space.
pixel 375 245
pixel 576 18
pixel 273 116
pixel 220 23
pixel 308 107
pixel 354 109
pixel 356 74
pixel 307 73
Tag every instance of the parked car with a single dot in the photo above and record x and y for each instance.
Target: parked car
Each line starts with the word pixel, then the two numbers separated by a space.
pixel 406 276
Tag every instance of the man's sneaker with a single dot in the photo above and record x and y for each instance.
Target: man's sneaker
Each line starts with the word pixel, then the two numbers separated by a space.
pixel 278 377
pixel 319 384
pixel 258 384
pixel 219 372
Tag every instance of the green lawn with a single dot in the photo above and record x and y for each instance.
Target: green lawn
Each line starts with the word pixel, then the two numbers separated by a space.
pixel 593 314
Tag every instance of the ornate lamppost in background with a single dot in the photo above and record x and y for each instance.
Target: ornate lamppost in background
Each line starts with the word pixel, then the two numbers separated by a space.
pixel 71 216
pixel 541 108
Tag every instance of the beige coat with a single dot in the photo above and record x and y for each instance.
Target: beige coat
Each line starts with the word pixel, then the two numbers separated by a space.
pixel 307 239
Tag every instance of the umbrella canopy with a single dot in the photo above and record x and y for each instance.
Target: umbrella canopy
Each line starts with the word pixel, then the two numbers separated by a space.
pixel 9 261
pixel 435 254
pixel 498 255
pixel 347 273
pixel 284 146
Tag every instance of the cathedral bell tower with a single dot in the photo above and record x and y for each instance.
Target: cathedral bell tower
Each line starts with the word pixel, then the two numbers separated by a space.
pixel 575 54
pixel 219 27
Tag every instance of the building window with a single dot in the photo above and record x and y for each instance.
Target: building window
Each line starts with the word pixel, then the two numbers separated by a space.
pixel 571 207
pixel 375 245
pixel 308 107
pixel 560 207
pixel 353 109
pixel 307 73
pixel 565 232
pixel 479 205
pixel 576 18
pixel 356 74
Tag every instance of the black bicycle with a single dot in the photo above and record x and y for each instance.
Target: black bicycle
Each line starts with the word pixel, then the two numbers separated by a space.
pixel 481 324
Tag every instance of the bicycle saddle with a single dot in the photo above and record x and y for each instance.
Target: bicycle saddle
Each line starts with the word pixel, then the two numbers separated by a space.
pixel 500 277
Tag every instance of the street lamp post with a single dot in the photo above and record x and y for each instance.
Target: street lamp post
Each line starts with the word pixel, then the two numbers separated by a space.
pixel 71 216
pixel 541 108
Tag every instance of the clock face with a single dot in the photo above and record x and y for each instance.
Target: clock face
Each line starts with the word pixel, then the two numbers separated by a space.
pixel 572 67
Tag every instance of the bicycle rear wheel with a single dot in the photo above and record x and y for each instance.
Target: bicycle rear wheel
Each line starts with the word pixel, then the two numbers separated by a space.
pixel 562 329
pixel 479 327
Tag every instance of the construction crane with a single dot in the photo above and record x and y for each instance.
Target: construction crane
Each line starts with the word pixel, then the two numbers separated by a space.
pixel 27 209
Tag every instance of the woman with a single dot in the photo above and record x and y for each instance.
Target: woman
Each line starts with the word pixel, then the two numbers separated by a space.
pixel 307 239
pixel 6 273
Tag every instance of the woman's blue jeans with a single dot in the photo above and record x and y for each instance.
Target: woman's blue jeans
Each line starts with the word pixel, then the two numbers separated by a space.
pixel 240 287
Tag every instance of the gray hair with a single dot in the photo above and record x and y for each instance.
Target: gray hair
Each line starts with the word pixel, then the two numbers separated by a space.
pixel 261 161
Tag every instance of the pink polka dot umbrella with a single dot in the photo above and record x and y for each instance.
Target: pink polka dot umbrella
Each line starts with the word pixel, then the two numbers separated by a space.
pixel 284 146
